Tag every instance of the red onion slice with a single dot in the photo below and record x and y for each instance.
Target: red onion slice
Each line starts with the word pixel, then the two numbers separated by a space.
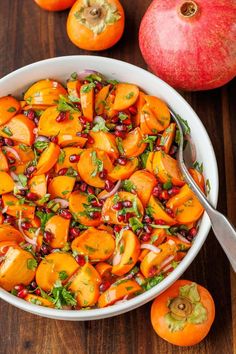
pixel 64 203
pixel 83 74
pixel 148 246
pixel 113 191
pixel 4 210
pixel 35 131
pixel 182 238
pixel 166 261
pixel 33 241
pixel 116 259
pixel 168 267
pixel 13 152
pixel 42 138
pixel 16 180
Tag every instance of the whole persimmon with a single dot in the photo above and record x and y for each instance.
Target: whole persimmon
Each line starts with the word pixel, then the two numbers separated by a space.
pixel 55 5
pixel 95 25
pixel 183 314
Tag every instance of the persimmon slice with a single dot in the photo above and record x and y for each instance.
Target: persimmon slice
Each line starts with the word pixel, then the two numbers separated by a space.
pixel 133 144
pixel 48 271
pixel 61 187
pixel 166 169
pixel 98 245
pixel 19 128
pixel 9 107
pixel 58 227
pixel 131 251
pixel 47 159
pixel 7 183
pixel 143 182
pixel 126 96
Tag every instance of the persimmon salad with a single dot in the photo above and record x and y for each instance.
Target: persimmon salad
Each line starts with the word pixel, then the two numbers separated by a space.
pixel 93 207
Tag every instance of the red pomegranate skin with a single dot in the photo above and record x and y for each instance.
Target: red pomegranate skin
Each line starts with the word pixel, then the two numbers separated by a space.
pixel 190 53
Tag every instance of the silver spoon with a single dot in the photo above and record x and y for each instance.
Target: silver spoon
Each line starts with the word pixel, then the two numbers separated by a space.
pixel 223 229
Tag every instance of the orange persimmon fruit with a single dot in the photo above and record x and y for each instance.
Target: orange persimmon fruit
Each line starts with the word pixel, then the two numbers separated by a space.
pixel 96 26
pixel 183 314
pixel 9 107
pixel 55 5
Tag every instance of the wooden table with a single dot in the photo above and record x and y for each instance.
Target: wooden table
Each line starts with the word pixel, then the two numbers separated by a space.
pixel 28 34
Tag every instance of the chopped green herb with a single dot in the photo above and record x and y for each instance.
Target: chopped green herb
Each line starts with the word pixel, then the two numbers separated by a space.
pixel 167 185
pixel 122 116
pixel 64 105
pixel 149 211
pixel 143 158
pixel 113 82
pixel 129 95
pixel 71 172
pixel 44 217
pixel 63 275
pixel 60 296
pixel 151 282
pixel 22 179
pixel 100 125
pixel 93 77
pixel 135 223
pixel 11 109
pixel 44 199
pixel 24 147
pixel 32 264
pixel 61 157
pixel 7 131
pixel 128 186
pixel 120 146
pixel 88 87
pixel 41 145
pixel 150 139
pixel 208 186
pixel 185 126
pixel 98 164
pixel 198 166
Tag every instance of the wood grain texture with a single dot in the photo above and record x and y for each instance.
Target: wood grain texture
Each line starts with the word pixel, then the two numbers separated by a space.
pixel 28 34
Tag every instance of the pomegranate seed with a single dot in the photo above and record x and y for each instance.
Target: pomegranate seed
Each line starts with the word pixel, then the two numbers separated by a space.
pixel 96 203
pixel 32 196
pixel 109 185
pixel 76 186
pixel 183 233
pixel 120 134
pixel 147 219
pixel 192 232
pixel 104 286
pixel 132 110
pixel 83 120
pixel 146 237
pixel 54 139
pixel 30 170
pixel 127 204
pixel 115 119
pixel 173 191
pixel 61 117
pixel 22 293
pixel 84 135
pixel 80 259
pixel 45 249
pixel 117 206
pixel 74 232
pixel 83 187
pixel 90 140
pixel 103 174
pixel 159 222
pixel 33 285
pixel 99 86
pixel 19 287
pixel 26 225
pixel 173 150
pixel 9 219
pixel 30 114
pixel 164 195
pixel 170 212
pixel 8 142
pixel 156 190
pixel 159 148
pixel 121 128
pixel 117 228
pixel 1 203
pixel 74 158
pixel 48 236
pixel 65 214
pixel 62 171
pixel 152 271
pixel 90 190
pixel 128 216
pixel 127 122
pixel 122 161
pixel 95 214
pixel 148 229
pixel 121 218
pixel 38 292
pixel 1 141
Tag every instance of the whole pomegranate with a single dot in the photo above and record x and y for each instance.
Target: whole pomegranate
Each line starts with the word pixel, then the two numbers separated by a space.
pixel 190 44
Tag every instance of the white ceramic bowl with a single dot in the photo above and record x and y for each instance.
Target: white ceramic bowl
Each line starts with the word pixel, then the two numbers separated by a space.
pixel 60 69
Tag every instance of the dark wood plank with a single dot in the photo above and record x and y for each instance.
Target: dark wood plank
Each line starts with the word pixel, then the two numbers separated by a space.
pixel 28 34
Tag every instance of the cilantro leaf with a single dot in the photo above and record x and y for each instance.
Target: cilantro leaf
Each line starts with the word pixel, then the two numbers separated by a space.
pixel 100 125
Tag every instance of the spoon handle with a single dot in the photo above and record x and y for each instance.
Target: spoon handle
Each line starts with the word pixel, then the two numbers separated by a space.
pixel 223 229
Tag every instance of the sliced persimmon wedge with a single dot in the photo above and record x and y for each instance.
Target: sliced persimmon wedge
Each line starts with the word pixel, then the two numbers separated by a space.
pixel 126 96
pixel 131 251
pixel 166 169
pixel 47 159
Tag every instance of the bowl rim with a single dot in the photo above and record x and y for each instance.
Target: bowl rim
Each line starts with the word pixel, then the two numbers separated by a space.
pixel 110 311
